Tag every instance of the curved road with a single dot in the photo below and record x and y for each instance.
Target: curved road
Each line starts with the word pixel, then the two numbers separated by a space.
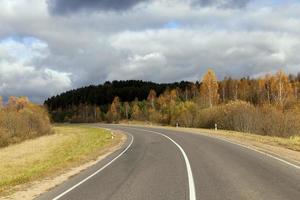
pixel 163 164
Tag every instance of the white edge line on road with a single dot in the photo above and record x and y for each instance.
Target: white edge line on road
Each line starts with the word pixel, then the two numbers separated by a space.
pixel 95 173
pixel 258 151
pixel 192 191
pixel 245 146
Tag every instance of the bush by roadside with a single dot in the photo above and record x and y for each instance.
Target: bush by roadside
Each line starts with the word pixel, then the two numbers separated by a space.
pixel 243 117
pixel 20 120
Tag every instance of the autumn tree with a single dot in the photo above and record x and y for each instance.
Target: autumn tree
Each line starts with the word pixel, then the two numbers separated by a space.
pixel 12 102
pixel 151 98
pixel 186 94
pixel 21 119
pixel 1 102
pixel 268 81
pixel 194 90
pixel 152 113
pixel 295 86
pixel 209 89
pixel 115 110
pixel 281 88
pixel 126 109
pixel 17 103
pixel 164 108
pixel 243 89
pixel 184 113
pixel 136 111
pixel 97 113
pixel 222 91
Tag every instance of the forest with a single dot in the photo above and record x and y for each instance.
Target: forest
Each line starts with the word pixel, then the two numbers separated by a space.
pixel 268 105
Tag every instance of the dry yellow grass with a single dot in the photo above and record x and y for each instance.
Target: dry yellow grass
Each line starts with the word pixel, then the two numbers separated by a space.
pixel 47 155
pixel 292 143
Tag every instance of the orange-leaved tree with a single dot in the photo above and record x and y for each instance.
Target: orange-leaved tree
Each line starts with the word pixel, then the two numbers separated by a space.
pixel 151 98
pixel 209 89
pixel 1 102
pixel 115 109
pixel 126 109
pixel 281 88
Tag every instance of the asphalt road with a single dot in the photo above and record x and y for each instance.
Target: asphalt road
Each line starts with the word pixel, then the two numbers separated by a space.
pixel 158 164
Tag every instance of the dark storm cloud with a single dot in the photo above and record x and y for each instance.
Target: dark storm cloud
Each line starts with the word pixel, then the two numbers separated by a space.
pixel 61 7
pixel 69 6
pixel 222 3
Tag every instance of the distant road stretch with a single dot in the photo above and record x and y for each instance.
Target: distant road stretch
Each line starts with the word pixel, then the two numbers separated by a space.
pixel 159 164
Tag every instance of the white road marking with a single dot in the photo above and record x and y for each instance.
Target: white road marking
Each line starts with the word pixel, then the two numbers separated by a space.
pixel 99 170
pixel 192 191
pixel 256 150
pixel 247 147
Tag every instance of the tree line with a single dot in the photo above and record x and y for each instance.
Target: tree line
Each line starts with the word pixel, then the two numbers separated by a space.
pixel 88 104
pixel 267 105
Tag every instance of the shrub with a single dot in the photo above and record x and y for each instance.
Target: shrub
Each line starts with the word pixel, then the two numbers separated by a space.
pixel 245 117
pixel 205 118
pixel 238 116
pixel 21 120
pixel 183 114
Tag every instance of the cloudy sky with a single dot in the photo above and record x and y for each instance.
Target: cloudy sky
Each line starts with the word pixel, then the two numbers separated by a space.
pixel 49 46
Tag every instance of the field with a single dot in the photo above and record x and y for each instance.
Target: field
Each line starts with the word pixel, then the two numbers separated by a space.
pixel 50 155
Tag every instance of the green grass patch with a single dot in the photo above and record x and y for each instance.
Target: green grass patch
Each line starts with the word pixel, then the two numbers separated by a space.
pixel 37 158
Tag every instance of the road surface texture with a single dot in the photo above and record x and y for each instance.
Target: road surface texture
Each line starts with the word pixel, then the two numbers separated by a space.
pixel 159 164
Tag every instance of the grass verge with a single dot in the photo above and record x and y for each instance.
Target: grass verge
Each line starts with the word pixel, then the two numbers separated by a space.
pixel 292 143
pixel 38 158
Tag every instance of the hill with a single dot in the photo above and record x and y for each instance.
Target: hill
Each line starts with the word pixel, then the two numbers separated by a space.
pixel 60 106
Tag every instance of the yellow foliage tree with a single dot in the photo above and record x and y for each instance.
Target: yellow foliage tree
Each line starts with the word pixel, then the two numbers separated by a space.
pixel 151 98
pixel 136 111
pixel 115 109
pixel 1 102
pixel 21 119
pixel 126 109
pixel 281 88
pixel 209 89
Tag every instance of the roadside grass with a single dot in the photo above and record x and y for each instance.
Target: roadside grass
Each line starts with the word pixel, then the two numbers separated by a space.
pixel 292 143
pixel 52 154
pixel 288 148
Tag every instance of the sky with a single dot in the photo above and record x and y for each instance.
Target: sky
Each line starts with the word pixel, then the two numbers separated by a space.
pixel 50 46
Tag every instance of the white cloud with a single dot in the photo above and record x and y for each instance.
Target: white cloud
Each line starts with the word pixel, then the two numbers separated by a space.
pixel 20 77
pixel 229 53
pixel 140 67
pixel 89 48
pixel 20 80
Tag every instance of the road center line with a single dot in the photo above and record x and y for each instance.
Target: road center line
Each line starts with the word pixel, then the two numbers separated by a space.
pixel 192 191
pixel 95 173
